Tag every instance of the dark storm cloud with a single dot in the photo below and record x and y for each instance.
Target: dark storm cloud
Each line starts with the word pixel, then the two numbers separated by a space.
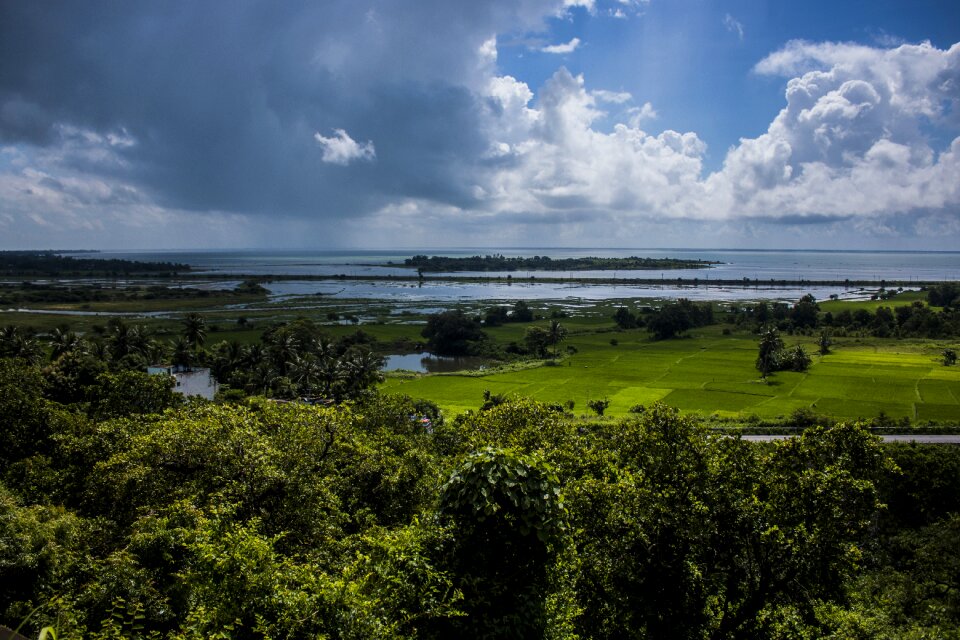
pixel 222 99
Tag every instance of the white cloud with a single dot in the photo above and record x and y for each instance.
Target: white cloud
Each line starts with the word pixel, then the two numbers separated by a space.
pixel 616 97
pixel 639 114
pixel 569 47
pixel 564 167
pixel 851 141
pixel 589 5
pixel 488 50
pixel 342 149
pixel 733 25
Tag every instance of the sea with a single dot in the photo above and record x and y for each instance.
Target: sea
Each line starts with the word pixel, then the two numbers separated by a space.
pixel 757 266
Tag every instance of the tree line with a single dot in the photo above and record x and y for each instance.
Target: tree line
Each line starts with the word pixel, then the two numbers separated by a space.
pixel 291 359
pixel 917 320
pixel 49 263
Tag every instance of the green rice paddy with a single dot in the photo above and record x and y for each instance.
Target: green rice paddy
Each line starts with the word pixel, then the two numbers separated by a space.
pixel 712 373
pixel 706 372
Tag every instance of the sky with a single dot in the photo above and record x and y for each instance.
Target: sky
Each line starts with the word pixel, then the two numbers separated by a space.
pixel 457 123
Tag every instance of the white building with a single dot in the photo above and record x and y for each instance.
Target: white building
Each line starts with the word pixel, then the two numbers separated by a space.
pixel 190 381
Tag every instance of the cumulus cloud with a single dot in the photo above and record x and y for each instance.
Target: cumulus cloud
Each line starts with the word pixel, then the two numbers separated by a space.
pixel 342 149
pixel 639 114
pixel 563 166
pixel 853 137
pixel 568 47
pixel 851 142
pixel 113 136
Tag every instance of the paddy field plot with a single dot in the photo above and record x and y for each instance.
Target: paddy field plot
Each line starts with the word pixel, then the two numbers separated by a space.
pixel 712 373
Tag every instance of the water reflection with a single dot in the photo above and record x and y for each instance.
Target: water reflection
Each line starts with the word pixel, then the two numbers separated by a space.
pixel 426 362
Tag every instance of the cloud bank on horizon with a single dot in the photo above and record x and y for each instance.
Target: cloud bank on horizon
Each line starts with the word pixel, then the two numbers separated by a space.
pixel 443 123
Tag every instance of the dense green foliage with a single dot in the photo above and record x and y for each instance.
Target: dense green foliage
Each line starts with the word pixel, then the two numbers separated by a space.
pixel 915 320
pixel 453 333
pixel 292 359
pixel 674 318
pixel 285 520
pixel 545 263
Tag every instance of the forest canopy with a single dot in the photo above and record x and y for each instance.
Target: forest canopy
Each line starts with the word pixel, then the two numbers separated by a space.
pixel 377 518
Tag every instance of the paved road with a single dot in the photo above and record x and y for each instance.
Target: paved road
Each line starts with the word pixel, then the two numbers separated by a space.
pixel 922 439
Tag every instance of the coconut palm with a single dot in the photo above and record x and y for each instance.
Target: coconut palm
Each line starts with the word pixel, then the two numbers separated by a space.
pixel 155 351
pixel 558 333
pixel 306 371
pixel 14 343
pixel 27 348
pixel 119 340
pixel 332 375
pixel 194 330
pixel 284 348
pixel 10 341
pixel 363 368
pixel 183 355
pixel 62 341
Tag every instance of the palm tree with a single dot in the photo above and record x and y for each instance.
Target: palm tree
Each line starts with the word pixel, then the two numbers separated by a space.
pixel 155 351
pixel 183 355
pixel 138 339
pixel 332 374
pixel 260 377
pixel 306 371
pixel 7 336
pixel 17 344
pixel 26 347
pixel 194 330
pixel 363 368
pixel 99 350
pixel 62 341
pixel 558 333
pixel 284 348
pixel 251 354
pixel 118 338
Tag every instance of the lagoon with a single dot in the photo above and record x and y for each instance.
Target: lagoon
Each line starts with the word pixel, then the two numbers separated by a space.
pixel 737 264
pixel 426 362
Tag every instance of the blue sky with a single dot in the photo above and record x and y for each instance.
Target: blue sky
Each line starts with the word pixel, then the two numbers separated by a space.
pixel 630 123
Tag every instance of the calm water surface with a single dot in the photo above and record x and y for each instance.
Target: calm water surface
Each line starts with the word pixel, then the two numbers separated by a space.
pixel 737 265
pixel 430 363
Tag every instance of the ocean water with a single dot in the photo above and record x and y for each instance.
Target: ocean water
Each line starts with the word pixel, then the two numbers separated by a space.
pixel 736 264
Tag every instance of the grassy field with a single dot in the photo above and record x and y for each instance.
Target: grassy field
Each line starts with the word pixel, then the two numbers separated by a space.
pixel 713 373
pixel 706 372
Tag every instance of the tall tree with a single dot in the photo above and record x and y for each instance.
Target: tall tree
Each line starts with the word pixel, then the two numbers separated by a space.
pixel 558 333
pixel 770 352
pixel 194 330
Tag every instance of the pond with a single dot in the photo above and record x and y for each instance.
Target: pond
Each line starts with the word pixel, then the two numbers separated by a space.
pixel 426 362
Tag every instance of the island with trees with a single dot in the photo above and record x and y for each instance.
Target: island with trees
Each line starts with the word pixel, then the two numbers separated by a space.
pixel 437 264
pixel 50 263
